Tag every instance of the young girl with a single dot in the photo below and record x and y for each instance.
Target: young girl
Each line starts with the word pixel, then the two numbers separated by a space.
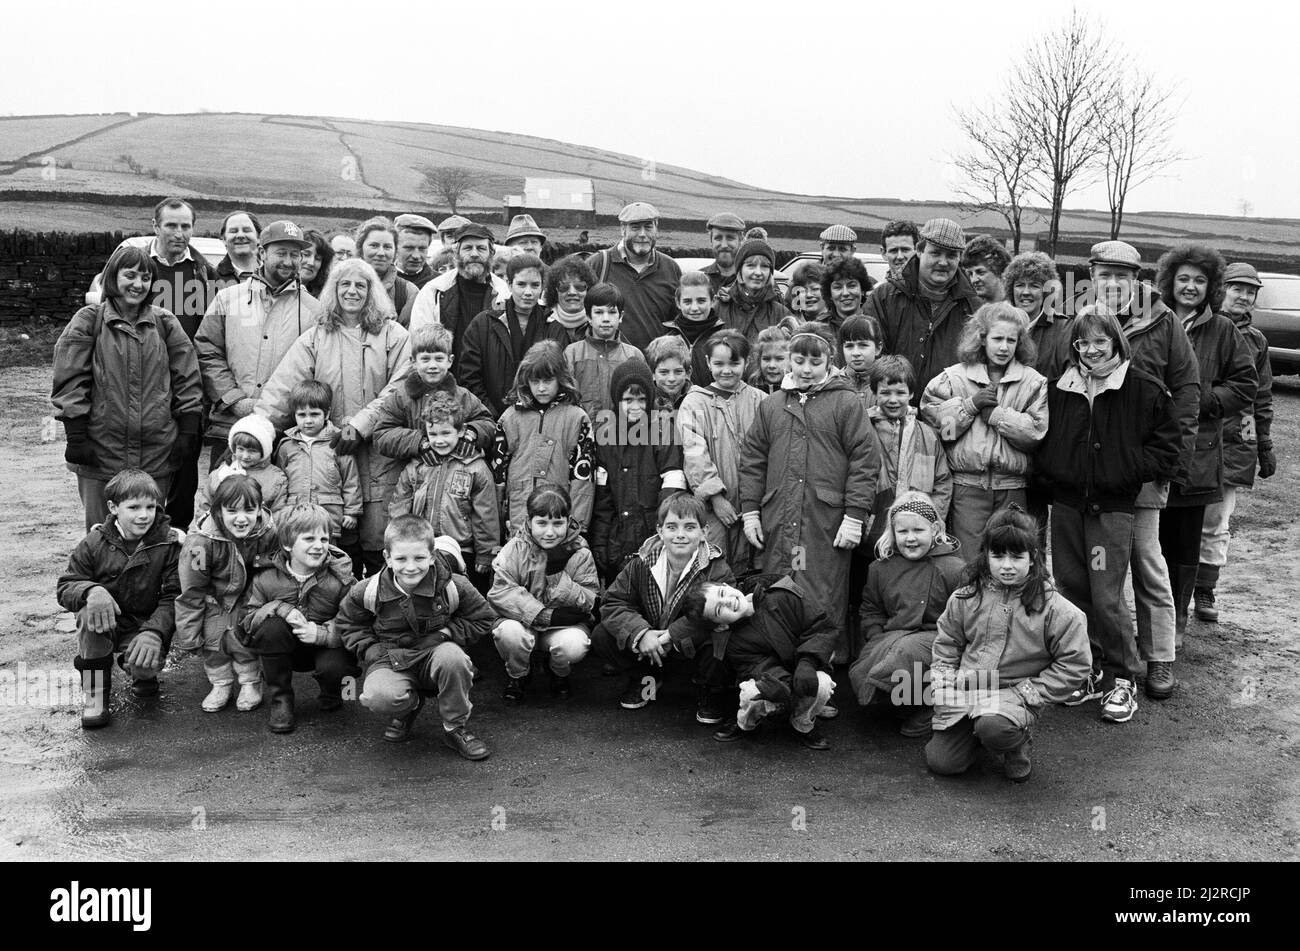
pixel 907 589
pixel 808 472
pixel 991 413
pixel 861 342
pixel 544 588
pixel 711 427
pixel 772 350
pixel 249 453
pixel 1008 644
pixel 544 436
pixel 217 563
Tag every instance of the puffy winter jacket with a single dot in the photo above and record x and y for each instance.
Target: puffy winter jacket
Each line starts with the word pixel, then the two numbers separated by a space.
pixel 270 478
pixel 523 591
pixel 487 361
pixel 318 598
pixel 787 626
pixel 439 303
pixel 458 497
pixel 215 572
pixel 751 316
pixel 399 424
pixel 537 444
pixel 592 363
pixel 911 457
pixel 317 475
pixel 695 334
pixel 711 427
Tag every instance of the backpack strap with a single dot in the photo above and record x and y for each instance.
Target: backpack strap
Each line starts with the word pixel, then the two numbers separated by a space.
pixel 453 597
pixel 370 593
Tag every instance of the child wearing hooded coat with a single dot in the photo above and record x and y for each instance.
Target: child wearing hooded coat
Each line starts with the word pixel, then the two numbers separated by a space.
pixel 239 460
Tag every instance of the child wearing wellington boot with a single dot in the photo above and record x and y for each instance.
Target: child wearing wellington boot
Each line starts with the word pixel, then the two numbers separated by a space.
pixel 122 583
pixel 289 616
pixel 1008 645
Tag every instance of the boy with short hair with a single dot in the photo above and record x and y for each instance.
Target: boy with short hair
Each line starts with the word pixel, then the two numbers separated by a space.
pixel 670 365
pixel 122 584
pixel 316 474
pixel 457 496
pixel 409 626
pixel 289 614
pixel 251 440
pixel 593 358
pixel 696 322
pixel 643 618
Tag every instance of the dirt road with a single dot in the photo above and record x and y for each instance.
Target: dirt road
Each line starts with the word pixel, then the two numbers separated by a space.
pixel 1211 774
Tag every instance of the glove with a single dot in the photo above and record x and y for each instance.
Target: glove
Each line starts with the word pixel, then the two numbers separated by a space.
pixel 1210 405
pixel 187 438
pixel 754 529
pixel 723 509
pixel 346 441
pixel 850 533
pixel 805 679
pixel 556 559
pixel 565 615
pixel 1029 694
pixel 467 445
pixel 101 611
pixel 483 567
pixel 426 454
pixel 987 397
pixel 244 407
pixel 80 450
pixel 1267 462
pixel 145 651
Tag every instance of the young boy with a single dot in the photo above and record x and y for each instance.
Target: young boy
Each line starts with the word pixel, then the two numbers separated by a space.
pixel 122 584
pixel 670 364
pixel 457 496
pixel 592 360
pixel 780 648
pixel 696 322
pixel 638 464
pixel 861 342
pixel 643 617
pixel 400 432
pixel 288 617
pixel 409 627
pixel 316 474
pixel 251 440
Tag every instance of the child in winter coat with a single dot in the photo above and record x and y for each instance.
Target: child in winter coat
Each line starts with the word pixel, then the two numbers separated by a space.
pixel 696 322
pixel 315 473
pixel 643 615
pixel 410 626
pixel 779 645
pixel 670 364
pixel 122 582
pixel 457 496
pixel 711 426
pixel 544 436
pixel 772 360
pixel 1008 645
pixel 251 440
pixel 638 464
pixel 991 413
pixel 217 564
pixel 808 471
pixel 593 359
pixel 544 589
pixel 289 614
pixel 907 589
pixel 861 343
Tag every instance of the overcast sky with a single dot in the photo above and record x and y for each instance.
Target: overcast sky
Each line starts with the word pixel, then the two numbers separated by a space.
pixel 830 97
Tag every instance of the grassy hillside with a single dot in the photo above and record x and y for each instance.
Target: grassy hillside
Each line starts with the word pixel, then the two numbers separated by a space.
pixel 347 162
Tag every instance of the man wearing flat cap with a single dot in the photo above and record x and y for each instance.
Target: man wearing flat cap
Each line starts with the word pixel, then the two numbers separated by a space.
pixel 448 227
pixel 838 242
pixel 647 278
pixel 525 235
pixel 414 234
pixel 455 298
pixel 725 231
pixel 923 307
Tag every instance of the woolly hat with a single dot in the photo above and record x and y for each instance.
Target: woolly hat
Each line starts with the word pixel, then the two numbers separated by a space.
pixel 632 372
pixel 260 428
pixel 753 247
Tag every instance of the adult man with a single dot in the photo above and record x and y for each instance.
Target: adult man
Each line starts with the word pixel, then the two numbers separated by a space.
pixel 455 298
pixel 1247 439
pixel 647 278
pixel 249 327
pixel 984 260
pixel 838 242
pixel 524 234
pixel 923 308
pixel 724 232
pixel 414 234
pixel 448 227
pixel 1161 348
pixel 343 245
pixel 898 241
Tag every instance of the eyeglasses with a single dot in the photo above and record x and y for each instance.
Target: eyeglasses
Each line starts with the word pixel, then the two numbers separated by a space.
pixel 1100 343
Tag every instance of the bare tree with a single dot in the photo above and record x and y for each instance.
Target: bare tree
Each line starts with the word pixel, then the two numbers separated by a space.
pixel 1138 131
pixel 450 183
pixel 1060 94
pixel 997 167
pixel 1245 206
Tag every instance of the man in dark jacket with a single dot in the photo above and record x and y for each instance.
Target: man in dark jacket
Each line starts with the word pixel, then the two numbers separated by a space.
pixel 647 278
pixel 414 233
pixel 725 232
pixel 922 310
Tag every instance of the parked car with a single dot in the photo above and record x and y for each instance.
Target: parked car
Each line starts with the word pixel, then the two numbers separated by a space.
pixel 211 248
pixel 1277 315
pixel 693 264
pixel 877 266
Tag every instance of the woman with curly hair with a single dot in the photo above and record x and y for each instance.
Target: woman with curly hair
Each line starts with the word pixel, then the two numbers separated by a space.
pixel 359 349
pixel 315 267
pixel 990 410
pixel 845 286
pixel 1033 284
pixel 1190 280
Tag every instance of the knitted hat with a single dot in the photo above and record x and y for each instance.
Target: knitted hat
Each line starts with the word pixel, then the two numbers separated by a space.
pixel 839 234
pixel 260 428
pixel 753 247
pixel 632 372
pixel 1242 274
pixel 944 233
pixel 1120 253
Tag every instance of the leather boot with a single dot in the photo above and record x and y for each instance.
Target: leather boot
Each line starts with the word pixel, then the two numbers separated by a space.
pixel 96 687
pixel 1182 580
pixel 277 672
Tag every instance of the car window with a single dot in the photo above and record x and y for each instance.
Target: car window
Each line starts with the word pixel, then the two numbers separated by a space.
pixel 1279 294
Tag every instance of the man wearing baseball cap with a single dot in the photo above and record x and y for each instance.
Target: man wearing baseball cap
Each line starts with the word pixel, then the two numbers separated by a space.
pixel 455 298
pixel 414 235
pixel 923 307
pixel 524 234
pixel 725 231
pixel 647 279
pixel 249 327
pixel 838 242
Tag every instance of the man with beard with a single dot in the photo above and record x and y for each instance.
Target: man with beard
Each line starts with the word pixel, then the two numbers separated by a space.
pixel 838 242
pixel 457 297
pixel 647 279
pixel 984 260
pixel 414 234
pixel 724 237
pixel 898 244
pixel 922 310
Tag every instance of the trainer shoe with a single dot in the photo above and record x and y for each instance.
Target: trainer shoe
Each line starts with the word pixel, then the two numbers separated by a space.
pixel 730 733
pixel 513 692
pixel 560 686
pixel 217 697
pixel 639 690
pixel 1090 690
pixel 399 728
pixel 918 723
pixel 465 743
pixel 1203 598
pixel 1017 763
pixel 814 740
pixel 709 709
pixel 1161 682
pixel 1119 705
pixel 829 712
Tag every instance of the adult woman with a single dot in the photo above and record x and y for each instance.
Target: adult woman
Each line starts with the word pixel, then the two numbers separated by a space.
pixel 752 303
pixel 1033 284
pixel 377 246
pixel 239 231
pixel 126 385
pixel 845 286
pixel 360 351
pixel 567 283
pixel 315 266
pixel 1190 280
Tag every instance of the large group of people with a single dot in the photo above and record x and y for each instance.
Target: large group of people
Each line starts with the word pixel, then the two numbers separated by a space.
pixel 418 439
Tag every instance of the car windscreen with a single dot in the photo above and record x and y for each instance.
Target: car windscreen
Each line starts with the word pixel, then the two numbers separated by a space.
pixel 1279 294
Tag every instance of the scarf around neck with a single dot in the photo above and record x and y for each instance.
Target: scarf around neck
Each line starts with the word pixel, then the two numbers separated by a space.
pixel 570 321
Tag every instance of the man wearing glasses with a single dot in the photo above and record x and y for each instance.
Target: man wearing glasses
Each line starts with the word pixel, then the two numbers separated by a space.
pixel 647 278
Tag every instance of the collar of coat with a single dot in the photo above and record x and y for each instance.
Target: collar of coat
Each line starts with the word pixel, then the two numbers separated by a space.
pixel 619 253
pixel 501 319
pixel 1201 317
pixel 908 281
pixel 573 539
pixel 256 282
pixel 432 585
pixel 417 389
pixel 208 528
pixel 149 314
pixel 657 559
pixel 326 432
pixel 1072 380
pixel 160 533
pixel 694 328
pixel 1144 311
pixel 979 372
pixel 1046 317
pixel 607 345
pixel 834 381
pixel 337 563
